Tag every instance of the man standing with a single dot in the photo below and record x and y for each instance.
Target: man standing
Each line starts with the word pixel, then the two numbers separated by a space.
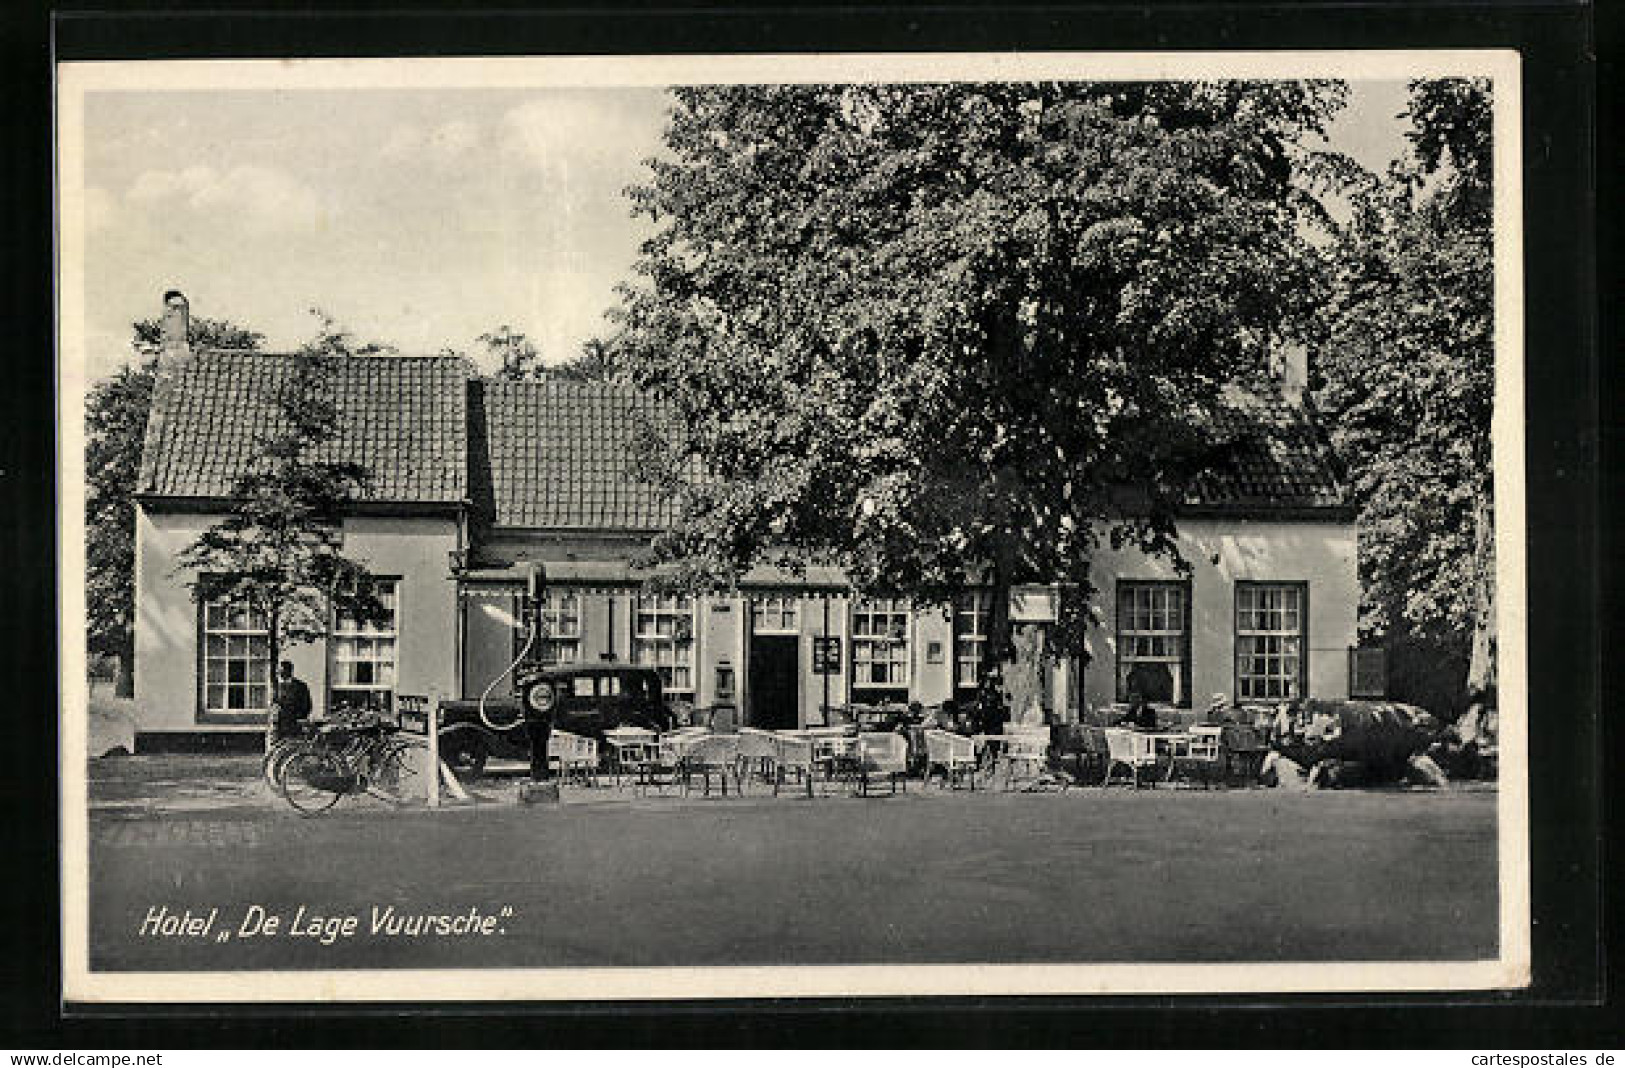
pixel 291 708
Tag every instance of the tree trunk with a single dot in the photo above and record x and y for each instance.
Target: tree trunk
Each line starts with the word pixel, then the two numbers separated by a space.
pixel 124 679
pixel 997 650
pixel 1481 670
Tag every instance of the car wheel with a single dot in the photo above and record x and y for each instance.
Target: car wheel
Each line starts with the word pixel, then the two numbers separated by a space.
pixel 464 754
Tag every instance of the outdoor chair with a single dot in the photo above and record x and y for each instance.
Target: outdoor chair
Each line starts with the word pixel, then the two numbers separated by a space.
pixel 1028 750
pixel 793 756
pixel 758 755
pixel 881 756
pixel 1131 750
pixel 955 754
pixel 572 757
pixel 1093 753
pixel 713 755
pixel 1242 752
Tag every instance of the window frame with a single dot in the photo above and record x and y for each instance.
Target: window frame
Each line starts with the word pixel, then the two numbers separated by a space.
pixel 1119 676
pixel 521 632
pixel 1301 587
pixel 787 606
pixel 336 636
pixel 894 607
pixel 203 714
pixel 640 641
pixel 980 614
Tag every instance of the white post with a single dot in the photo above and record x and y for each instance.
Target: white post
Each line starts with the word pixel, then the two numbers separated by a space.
pixel 432 750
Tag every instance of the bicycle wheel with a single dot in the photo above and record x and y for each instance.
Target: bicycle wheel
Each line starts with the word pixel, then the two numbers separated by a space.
pixel 271 767
pixel 396 772
pixel 313 780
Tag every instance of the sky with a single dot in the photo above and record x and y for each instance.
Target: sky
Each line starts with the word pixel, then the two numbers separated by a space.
pixel 415 218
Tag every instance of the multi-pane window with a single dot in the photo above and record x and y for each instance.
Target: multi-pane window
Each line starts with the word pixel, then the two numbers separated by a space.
pixel 775 614
pixel 1269 639
pixel 663 638
pixel 561 628
pixel 971 614
pixel 236 659
pixel 1153 641
pixel 363 651
pixel 880 643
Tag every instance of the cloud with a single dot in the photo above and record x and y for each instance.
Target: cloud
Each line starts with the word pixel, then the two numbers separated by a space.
pixel 556 136
pixel 262 197
pixel 445 143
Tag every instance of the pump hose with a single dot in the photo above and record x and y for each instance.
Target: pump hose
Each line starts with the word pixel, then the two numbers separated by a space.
pixel 529 641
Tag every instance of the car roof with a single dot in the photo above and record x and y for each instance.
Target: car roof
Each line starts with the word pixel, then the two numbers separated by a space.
pixel 602 668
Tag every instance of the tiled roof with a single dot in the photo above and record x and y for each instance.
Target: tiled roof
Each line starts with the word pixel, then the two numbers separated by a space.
pixel 561 455
pixel 405 418
pixel 1280 458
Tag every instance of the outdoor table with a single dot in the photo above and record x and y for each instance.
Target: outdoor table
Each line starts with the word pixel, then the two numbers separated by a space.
pixel 630 749
pixel 833 747
pixel 1171 743
pixel 987 746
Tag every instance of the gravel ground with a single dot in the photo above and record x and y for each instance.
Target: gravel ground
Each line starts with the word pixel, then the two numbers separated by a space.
pixel 607 878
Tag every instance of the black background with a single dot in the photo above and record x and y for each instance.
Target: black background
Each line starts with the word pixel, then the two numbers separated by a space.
pixel 1570 539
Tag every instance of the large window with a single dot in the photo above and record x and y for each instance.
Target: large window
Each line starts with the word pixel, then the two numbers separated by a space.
pixel 561 619
pixel 1153 641
pixel 236 652
pixel 363 670
pixel 1270 623
pixel 663 638
pixel 880 643
pixel 971 613
pixel 775 614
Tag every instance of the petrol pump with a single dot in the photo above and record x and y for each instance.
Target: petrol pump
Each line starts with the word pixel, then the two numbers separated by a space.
pixel 538 699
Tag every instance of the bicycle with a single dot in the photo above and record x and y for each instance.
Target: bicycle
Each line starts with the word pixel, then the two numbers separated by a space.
pixel 346 756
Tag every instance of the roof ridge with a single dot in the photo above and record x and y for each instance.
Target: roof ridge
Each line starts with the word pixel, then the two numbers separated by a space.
pixel 267 354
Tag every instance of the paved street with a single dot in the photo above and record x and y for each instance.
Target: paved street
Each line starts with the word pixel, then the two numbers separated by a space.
pixel 606 879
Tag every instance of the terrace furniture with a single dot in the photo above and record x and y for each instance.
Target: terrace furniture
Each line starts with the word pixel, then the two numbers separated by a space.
pixel 629 750
pixel 711 755
pixel 758 755
pixel 1128 749
pixel 833 749
pixel 955 754
pixel 1028 750
pixel 1203 755
pixel 573 757
pixel 793 756
pixel 1093 752
pixel 882 756
pixel 1243 751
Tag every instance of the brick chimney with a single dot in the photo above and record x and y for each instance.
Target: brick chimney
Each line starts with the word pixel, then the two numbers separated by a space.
pixel 173 343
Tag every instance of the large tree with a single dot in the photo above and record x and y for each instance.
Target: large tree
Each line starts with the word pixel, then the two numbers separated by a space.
pixel 115 425
pixel 946 336
pixel 517 358
pixel 1409 370
pixel 279 551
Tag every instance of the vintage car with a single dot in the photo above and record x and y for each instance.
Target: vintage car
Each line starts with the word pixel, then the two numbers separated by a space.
pixel 584 699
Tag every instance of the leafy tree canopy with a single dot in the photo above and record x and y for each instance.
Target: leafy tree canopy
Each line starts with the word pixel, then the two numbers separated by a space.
pixel 1408 368
pixel 947 334
pixel 517 357
pixel 201 333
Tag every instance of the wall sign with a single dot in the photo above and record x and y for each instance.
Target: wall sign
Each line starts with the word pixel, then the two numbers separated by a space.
pixel 826 656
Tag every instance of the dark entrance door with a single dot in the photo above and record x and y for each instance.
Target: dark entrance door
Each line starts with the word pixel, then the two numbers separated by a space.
pixel 774 672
